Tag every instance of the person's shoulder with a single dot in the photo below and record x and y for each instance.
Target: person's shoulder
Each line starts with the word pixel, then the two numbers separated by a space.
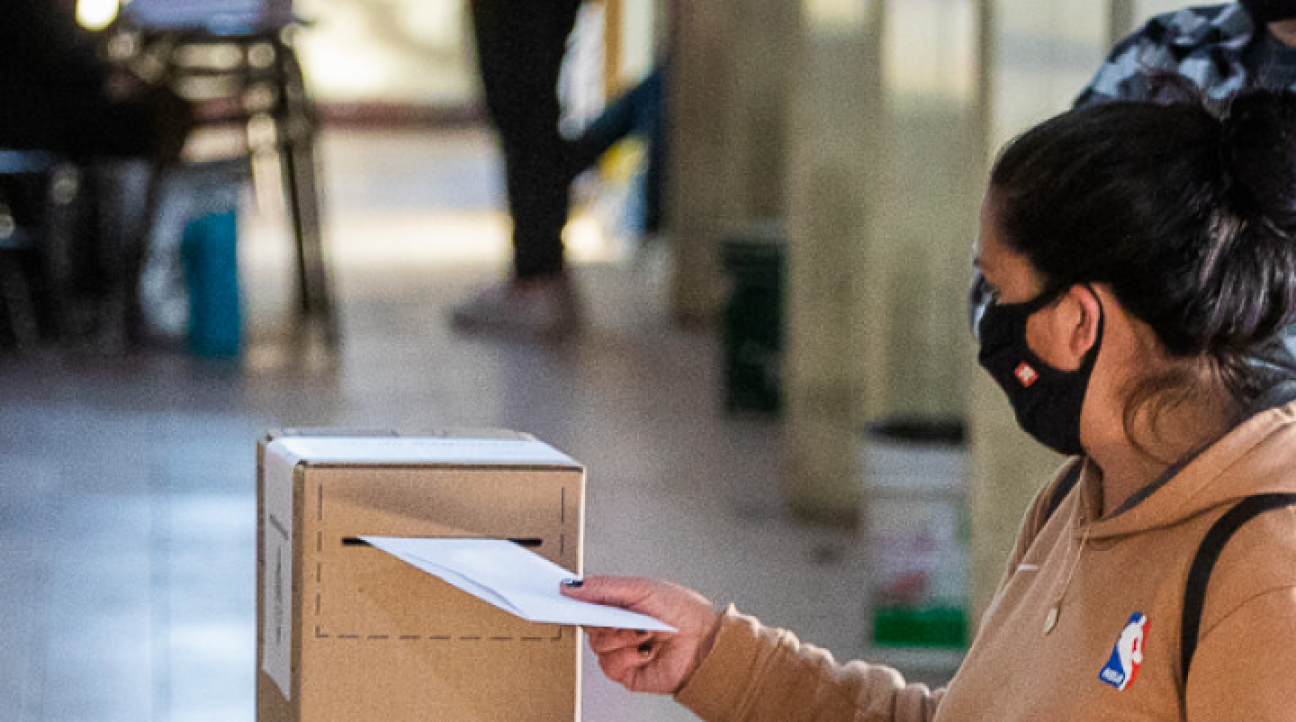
pixel 1192 28
pixel 1202 42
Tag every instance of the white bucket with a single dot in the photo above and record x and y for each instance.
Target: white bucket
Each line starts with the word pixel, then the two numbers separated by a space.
pixel 914 524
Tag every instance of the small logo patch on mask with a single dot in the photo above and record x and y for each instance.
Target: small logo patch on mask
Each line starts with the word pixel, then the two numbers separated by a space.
pixel 1025 374
pixel 1127 656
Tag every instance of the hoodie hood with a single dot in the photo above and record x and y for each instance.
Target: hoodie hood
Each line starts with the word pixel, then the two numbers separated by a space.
pixel 1256 457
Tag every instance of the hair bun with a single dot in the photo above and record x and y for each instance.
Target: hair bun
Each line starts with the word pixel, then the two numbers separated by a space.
pixel 1248 276
pixel 1258 148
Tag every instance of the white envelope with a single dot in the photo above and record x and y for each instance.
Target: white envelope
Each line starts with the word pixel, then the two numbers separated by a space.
pixel 511 578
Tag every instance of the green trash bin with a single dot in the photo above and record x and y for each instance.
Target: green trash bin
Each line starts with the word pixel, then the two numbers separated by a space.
pixel 753 318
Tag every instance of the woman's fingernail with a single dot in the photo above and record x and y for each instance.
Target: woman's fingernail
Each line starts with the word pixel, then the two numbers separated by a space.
pixel 574 583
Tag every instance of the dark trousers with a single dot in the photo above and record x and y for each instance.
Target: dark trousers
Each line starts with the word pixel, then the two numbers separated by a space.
pixel 520 49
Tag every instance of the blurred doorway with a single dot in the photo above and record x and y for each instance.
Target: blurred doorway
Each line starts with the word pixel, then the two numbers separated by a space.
pixel 387 60
pixel 370 57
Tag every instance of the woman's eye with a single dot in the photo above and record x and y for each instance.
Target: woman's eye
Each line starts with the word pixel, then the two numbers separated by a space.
pixel 988 292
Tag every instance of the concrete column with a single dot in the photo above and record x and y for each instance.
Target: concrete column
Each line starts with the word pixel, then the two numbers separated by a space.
pixel 834 157
pixel 888 158
pixel 728 102
pixel 1039 54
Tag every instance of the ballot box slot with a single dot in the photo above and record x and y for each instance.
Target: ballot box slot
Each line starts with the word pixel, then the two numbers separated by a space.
pixel 528 542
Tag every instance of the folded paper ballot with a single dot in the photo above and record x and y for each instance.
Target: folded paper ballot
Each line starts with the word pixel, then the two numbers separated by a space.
pixel 510 577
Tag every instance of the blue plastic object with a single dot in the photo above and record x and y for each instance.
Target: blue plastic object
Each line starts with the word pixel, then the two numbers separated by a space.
pixel 209 250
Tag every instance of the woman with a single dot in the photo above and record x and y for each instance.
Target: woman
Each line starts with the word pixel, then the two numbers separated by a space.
pixel 1134 252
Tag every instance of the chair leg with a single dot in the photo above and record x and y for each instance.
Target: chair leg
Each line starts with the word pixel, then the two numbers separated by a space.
pixel 296 127
pixel 18 303
pixel 299 181
pixel 128 194
pixel 65 197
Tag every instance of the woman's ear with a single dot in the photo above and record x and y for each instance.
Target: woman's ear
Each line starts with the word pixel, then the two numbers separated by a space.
pixel 1064 331
pixel 1082 316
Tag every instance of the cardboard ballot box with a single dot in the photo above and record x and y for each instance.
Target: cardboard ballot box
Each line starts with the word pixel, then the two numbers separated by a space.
pixel 347 633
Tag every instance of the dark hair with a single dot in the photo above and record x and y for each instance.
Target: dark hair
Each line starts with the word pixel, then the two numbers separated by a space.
pixel 1186 213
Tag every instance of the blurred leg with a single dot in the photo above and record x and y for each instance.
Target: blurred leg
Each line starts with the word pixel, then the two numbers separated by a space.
pixel 634 112
pixel 520 49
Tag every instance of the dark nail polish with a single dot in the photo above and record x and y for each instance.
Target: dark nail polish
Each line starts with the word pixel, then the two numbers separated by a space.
pixel 574 583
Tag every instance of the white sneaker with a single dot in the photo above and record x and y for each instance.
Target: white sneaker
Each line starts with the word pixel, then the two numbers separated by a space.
pixel 540 309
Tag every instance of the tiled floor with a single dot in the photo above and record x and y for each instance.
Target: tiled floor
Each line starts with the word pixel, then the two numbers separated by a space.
pixel 127 486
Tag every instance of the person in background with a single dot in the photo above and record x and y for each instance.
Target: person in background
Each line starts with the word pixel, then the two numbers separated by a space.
pixel 1133 254
pixel 520 49
pixel 641 112
pixel 58 95
pixel 1222 49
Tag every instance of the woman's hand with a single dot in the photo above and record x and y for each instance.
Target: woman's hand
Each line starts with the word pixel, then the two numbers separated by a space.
pixel 657 662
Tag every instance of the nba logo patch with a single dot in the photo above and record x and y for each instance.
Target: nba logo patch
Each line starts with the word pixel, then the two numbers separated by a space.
pixel 1127 656
pixel 1025 374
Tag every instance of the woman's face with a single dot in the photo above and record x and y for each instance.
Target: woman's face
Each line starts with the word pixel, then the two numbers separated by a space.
pixel 1042 350
pixel 1010 278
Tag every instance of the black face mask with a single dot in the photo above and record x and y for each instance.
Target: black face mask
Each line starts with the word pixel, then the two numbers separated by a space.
pixel 1264 12
pixel 1045 400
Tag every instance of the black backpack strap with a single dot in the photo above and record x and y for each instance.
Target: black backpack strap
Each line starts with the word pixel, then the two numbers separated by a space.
pixel 1063 488
pixel 1207 554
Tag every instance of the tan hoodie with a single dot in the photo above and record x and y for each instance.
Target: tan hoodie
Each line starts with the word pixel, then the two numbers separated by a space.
pixel 1110 651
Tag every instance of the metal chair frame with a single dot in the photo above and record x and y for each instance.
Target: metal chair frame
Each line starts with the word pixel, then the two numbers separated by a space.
pixel 250 79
